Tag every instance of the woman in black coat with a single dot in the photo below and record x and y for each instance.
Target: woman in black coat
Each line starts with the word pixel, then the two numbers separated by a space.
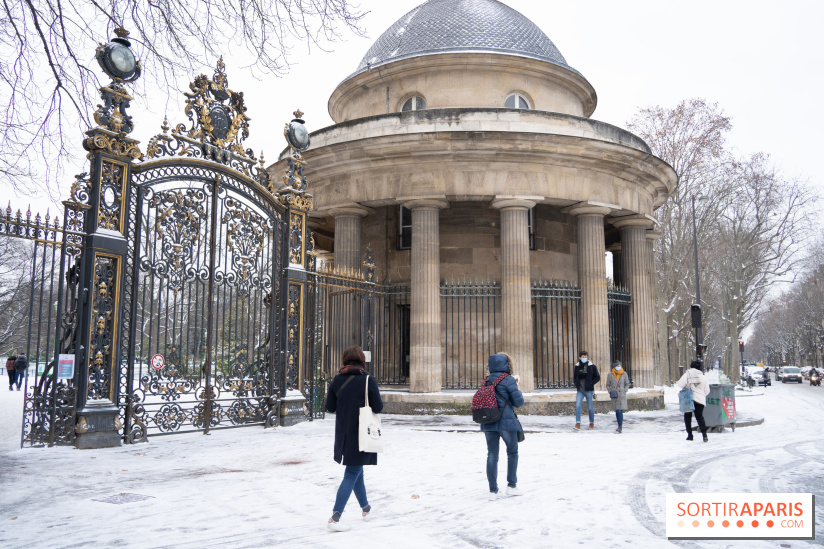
pixel 346 396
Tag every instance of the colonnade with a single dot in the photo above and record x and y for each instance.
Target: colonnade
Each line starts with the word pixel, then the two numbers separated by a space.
pixel 633 268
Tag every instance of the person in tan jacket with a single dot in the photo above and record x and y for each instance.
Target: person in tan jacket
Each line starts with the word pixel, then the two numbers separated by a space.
pixel 618 385
pixel 695 380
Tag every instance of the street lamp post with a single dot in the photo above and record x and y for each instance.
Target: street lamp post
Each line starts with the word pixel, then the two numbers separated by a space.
pixel 699 338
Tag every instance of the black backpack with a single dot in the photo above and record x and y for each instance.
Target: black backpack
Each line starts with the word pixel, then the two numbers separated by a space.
pixel 485 403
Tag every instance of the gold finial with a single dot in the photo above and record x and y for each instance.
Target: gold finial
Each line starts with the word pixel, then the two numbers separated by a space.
pixel 121 32
pixel 298 113
pixel 165 125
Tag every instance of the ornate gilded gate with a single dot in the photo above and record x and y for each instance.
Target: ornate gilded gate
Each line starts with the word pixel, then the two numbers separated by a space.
pixel 189 278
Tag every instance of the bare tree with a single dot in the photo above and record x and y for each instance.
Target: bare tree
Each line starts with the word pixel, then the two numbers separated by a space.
pixel 757 240
pixel 48 86
pixel 691 138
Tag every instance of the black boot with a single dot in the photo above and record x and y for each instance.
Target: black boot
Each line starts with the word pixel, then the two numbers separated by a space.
pixel 705 437
pixel 689 435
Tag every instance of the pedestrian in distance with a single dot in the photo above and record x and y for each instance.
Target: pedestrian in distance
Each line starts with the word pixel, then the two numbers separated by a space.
pixel 694 379
pixel 345 398
pixel 10 371
pixel 585 376
pixel 21 365
pixel 509 396
pixel 618 385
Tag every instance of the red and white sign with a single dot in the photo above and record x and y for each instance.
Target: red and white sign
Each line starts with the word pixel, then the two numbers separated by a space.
pixel 158 361
pixel 740 516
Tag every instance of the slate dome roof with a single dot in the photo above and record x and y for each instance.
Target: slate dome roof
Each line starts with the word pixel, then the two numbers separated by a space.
pixel 441 26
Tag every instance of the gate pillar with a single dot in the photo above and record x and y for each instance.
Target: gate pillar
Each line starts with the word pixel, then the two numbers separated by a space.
pixel 100 311
pixel 296 329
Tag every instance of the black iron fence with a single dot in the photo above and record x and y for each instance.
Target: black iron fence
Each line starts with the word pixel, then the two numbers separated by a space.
pixel 348 310
pixel 555 321
pixel 38 256
pixel 619 300
pixel 471 323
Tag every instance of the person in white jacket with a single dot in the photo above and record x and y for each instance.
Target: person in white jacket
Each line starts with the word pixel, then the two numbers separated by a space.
pixel 695 380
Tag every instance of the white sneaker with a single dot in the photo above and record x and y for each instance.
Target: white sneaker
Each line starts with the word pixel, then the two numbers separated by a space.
pixel 337 526
pixel 513 491
pixel 493 496
pixel 367 516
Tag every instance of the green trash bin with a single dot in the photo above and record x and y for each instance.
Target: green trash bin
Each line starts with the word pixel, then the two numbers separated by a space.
pixel 720 408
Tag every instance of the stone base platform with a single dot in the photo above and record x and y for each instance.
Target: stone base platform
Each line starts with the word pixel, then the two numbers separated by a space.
pixel 545 403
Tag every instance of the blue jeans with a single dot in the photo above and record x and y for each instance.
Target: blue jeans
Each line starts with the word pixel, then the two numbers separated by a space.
pixel 492 446
pixel 352 480
pixel 579 397
pixel 619 415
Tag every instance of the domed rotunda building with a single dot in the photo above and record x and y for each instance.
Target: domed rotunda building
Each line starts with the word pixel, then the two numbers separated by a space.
pixel 464 157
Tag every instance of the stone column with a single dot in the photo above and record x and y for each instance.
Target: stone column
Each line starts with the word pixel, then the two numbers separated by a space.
pixel 652 236
pixel 348 252
pixel 426 363
pixel 635 259
pixel 617 274
pixel 593 315
pixel 516 290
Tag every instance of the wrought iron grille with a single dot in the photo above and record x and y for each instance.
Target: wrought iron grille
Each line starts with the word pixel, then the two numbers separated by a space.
pixel 619 300
pixel 40 316
pixel 198 225
pixel 472 330
pixel 348 310
pixel 555 320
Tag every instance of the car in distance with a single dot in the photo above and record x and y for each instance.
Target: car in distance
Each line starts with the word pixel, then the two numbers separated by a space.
pixel 791 373
pixel 760 377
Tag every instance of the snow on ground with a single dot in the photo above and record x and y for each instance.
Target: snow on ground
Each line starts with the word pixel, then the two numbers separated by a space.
pixel 252 487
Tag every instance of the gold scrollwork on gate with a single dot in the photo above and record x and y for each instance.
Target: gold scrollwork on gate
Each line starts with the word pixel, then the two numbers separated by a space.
pixel 104 298
pixel 110 210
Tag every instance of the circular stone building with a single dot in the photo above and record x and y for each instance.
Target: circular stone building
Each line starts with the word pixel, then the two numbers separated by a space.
pixel 463 148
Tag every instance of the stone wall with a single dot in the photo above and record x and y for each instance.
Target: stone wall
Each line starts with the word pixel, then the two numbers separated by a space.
pixel 470 238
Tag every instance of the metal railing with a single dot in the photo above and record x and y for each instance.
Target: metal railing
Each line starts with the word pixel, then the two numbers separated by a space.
pixel 471 326
pixel 618 301
pixel 40 253
pixel 555 318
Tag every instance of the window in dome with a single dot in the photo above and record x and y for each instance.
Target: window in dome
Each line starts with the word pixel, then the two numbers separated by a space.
pixel 416 103
pixel 516 101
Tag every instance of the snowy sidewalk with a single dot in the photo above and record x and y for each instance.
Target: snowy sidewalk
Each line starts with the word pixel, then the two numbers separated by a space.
pixel 252 487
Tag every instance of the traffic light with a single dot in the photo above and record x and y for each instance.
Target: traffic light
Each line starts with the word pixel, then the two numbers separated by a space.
pixel 741 347
pixel 701 350
pixel 695 309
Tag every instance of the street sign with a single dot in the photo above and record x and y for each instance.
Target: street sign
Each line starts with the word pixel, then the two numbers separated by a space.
pixel 158 361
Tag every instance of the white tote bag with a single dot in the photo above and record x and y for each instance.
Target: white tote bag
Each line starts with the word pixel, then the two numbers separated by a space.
pixel 369 428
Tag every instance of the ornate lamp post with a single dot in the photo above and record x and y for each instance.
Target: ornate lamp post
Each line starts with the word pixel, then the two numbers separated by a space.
pixel 99 336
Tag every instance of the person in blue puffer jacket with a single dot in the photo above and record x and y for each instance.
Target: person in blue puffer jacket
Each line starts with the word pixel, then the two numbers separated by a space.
pixel 509 396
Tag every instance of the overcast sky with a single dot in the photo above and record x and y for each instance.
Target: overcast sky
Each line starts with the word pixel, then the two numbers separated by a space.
pixel 760 61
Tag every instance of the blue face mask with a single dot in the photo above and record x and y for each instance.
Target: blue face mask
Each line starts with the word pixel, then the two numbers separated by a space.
pixel 584 360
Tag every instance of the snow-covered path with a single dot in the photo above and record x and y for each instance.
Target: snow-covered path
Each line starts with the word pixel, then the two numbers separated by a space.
pixel 257 488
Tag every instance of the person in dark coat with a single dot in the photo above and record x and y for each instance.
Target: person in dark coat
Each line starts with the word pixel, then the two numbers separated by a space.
pixel 21 364
pixel 11 371
pixel 509 396
pixel 345 398
pixel 585 376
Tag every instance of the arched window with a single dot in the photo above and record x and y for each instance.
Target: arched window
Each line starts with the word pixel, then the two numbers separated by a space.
pixel 415 103
pixel 516 101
